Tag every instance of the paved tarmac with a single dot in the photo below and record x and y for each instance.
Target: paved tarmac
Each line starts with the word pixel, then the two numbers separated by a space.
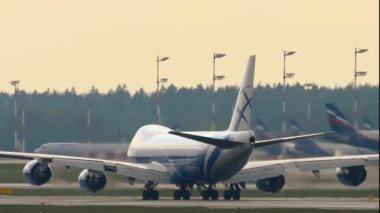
pixel 245 203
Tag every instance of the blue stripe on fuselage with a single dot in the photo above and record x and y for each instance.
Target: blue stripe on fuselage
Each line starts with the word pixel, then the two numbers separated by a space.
pixel 211 160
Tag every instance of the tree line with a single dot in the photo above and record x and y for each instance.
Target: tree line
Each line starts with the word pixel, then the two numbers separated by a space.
pixel 116 115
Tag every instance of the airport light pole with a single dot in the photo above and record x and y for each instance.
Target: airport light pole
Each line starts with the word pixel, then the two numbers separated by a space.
pixel 23 130
pixel 159 80
pixel 308 87
pixel 357 74
pixel 285 76
pixel 15 84
pixel 88 124
pixel 215 78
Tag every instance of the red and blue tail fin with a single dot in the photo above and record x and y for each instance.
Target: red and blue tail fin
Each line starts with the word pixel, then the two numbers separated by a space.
pixel 338 121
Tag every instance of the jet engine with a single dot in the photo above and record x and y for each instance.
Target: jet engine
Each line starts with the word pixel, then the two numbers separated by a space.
pixel 37 173
pixel 351 176
pixel 271 185
pixel 92 181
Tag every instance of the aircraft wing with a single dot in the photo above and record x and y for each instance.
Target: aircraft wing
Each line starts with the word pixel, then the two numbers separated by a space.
pixel 151 172
pixel 256 170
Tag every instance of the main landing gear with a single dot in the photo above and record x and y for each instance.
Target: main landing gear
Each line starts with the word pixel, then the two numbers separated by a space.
pixel 149 193
pixel 183 192
pixel 209 193
pixel 233 193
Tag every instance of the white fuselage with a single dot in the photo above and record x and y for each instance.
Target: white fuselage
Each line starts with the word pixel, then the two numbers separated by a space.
pixel 190 161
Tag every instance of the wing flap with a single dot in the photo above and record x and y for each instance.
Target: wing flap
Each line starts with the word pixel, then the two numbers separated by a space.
pixel 147 173
pixel 91 165
pixel 257 174
pixel 265 169
pixel 328 164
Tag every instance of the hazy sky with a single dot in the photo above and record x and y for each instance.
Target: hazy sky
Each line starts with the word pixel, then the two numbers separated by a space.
pixel 81 43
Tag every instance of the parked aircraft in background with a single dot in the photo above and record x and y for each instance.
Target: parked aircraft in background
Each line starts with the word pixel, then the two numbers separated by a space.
pixel 158 154
pixel 367 124
pixel 303 148
pixel 309 146
pixel 109 151
pixel 263 132
pixel 346 133
pixel 323 147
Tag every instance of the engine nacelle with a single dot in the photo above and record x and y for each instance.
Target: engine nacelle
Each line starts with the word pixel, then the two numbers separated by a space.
pixel 351 176
pixel 37 173
pixel 271 185
pixel 92 181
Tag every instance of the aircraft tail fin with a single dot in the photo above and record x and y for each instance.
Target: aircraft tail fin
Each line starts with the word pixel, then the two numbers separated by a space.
pixel 308 146
pixel 261 125
pixel 367 123
pixel 241 116
pixel 338 121
pixel 298 129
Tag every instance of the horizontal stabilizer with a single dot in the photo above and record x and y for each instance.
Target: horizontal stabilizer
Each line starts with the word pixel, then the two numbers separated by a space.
pixel 261 143
pixel 221 143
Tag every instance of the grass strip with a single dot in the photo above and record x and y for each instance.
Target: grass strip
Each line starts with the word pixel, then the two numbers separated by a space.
pixel 120 209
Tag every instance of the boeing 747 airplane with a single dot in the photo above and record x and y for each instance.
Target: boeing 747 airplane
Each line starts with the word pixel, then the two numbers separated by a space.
pixel 323 147
pixel 158 154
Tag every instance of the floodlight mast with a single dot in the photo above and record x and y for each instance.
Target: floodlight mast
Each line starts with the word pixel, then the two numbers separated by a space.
pixel 23 131
pixel 158 81
pixel 308 87
pixel 88 123
pixel 15 83
pixel 357 74
pixel 285 76
pixel 215 78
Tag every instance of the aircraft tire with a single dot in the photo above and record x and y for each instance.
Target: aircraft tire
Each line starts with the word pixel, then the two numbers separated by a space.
pixel 236 194
pixel 176 195
pixel 186 195
pixel 155 195
pixel 145 195
pixel 205 195
pixel 227 195
pixel 150 195
pixel 214 195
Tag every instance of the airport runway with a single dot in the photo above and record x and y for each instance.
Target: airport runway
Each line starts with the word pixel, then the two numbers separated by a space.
pixel 245 203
